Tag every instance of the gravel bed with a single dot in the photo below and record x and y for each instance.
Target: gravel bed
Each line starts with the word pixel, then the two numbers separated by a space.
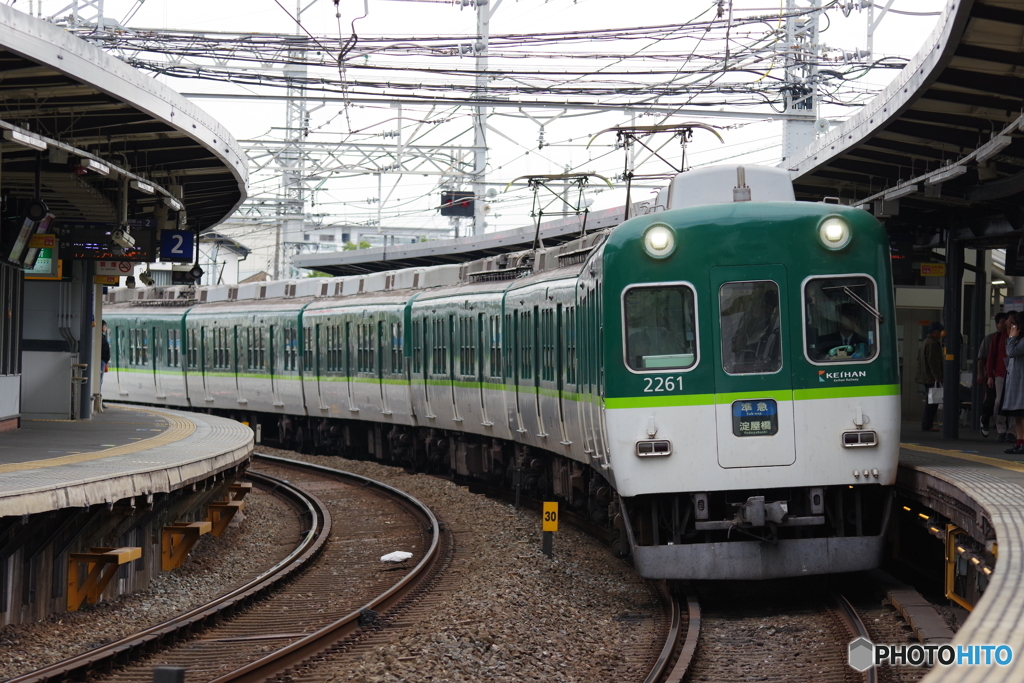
pixel 266 532
pixel 516 616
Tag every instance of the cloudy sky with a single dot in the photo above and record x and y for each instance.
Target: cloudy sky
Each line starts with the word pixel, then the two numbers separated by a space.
pixel 654 56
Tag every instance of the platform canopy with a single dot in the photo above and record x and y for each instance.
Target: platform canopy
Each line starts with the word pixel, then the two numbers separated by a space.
pixel 942 146
pixel 100 123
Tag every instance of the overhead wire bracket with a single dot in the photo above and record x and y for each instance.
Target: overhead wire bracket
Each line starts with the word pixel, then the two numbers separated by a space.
pixel 629 135
pixel 560 197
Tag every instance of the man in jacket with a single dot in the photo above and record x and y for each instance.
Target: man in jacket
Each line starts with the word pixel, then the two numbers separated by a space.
pixel 995 369
pixel 929 371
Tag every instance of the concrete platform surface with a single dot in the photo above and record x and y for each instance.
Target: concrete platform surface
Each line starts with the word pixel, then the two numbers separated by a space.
pixel 125 452
pixel 52 439
pixel 995 481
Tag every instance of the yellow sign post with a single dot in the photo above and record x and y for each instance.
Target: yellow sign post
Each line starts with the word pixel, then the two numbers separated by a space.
pixel 549 525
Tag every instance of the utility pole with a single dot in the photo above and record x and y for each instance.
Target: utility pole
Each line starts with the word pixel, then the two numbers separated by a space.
pixel 291 209
pixel 484 12
pixel 801 50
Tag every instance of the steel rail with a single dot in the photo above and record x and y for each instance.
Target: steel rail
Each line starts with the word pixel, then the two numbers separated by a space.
pixel 312 543
pixel 318 641
pixel 856 626
pixel 689 646
pixel 671 639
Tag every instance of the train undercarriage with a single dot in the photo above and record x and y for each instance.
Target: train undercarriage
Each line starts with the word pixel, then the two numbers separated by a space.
pixel 739 534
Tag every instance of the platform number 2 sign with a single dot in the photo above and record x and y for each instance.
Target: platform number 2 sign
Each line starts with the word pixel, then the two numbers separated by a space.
pixel 176 245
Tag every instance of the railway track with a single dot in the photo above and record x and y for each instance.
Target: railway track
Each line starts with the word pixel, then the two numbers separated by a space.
pixel 790 630
pixel 299 607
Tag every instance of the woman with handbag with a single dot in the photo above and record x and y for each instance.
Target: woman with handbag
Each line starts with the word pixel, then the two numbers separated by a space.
pixel 1013 392
pixel 929 373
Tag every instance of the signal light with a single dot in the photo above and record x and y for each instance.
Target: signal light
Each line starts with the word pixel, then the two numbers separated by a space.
pixel 457 204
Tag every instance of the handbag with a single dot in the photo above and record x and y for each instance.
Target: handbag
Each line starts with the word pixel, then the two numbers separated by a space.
pixel 935 394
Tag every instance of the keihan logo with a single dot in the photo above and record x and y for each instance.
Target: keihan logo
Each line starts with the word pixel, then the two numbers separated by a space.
pixel 842 375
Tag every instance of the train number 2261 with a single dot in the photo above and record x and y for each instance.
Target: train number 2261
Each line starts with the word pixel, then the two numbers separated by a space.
pixel 655 384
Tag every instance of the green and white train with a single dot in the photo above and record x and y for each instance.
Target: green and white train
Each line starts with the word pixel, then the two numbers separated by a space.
pixel 715 380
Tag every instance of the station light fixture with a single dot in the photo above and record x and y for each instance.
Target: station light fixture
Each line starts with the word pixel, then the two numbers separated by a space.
pixel 25 139
pixel 900 192
pixel 659 240
pixel 173 204
pixel 834 233
pixel 992 148
pixel 946 174
pixel 142 186
pixel 95 166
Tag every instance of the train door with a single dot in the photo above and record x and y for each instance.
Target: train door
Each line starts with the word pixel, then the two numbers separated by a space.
pixel 452 336
pixel 541 332
pixel 235 364
pixel 517 369
pixel 311 359
pixel 753 381
pixel 482 345
pixel 273 366
pixel 559 346
pixel 204 363
pixel 154 362
pixel 587 365
pixel 120 357
pixel 426 360
pixel 347 360
pixel 383 354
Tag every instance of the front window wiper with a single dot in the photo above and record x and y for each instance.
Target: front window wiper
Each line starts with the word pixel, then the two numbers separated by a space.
pixel 863 304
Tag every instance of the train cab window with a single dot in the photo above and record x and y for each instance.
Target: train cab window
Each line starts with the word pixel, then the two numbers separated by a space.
pixel 841 319
pixel 751 329
pixel 660 328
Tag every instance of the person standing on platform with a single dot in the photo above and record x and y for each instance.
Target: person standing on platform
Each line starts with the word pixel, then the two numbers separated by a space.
pixel 929 371
pixel 104 352
pixel 1013 394
pixel 988 404
pixel 995 370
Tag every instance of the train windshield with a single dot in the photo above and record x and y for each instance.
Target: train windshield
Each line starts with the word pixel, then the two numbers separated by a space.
pixel 841 319
pixel 751 335
pixel 660 328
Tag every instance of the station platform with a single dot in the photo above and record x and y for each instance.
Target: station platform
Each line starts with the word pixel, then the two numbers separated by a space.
pixel 975 475
pixel 123 452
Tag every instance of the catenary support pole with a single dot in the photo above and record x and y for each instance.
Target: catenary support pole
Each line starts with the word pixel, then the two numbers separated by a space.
pixel 952 315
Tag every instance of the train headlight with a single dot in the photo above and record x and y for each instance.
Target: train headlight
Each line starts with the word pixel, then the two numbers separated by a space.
pixel 834 233
pixel 659 240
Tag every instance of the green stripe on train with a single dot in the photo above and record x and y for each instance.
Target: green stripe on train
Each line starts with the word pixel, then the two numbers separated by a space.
pixel 664 401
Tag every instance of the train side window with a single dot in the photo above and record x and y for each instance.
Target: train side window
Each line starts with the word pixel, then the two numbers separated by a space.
pixel 173 348
pixel 751 327
pixel 840 323
pixel 191 350
pixel 660 325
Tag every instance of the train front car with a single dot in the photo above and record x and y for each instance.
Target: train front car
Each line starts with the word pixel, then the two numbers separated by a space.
pixel 752 405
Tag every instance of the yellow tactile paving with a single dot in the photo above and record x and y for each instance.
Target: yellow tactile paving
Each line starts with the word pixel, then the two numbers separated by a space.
pixel 178 428
pixel 982 459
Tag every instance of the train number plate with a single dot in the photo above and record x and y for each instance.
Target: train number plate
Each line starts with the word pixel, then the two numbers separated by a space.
pixel 755 417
